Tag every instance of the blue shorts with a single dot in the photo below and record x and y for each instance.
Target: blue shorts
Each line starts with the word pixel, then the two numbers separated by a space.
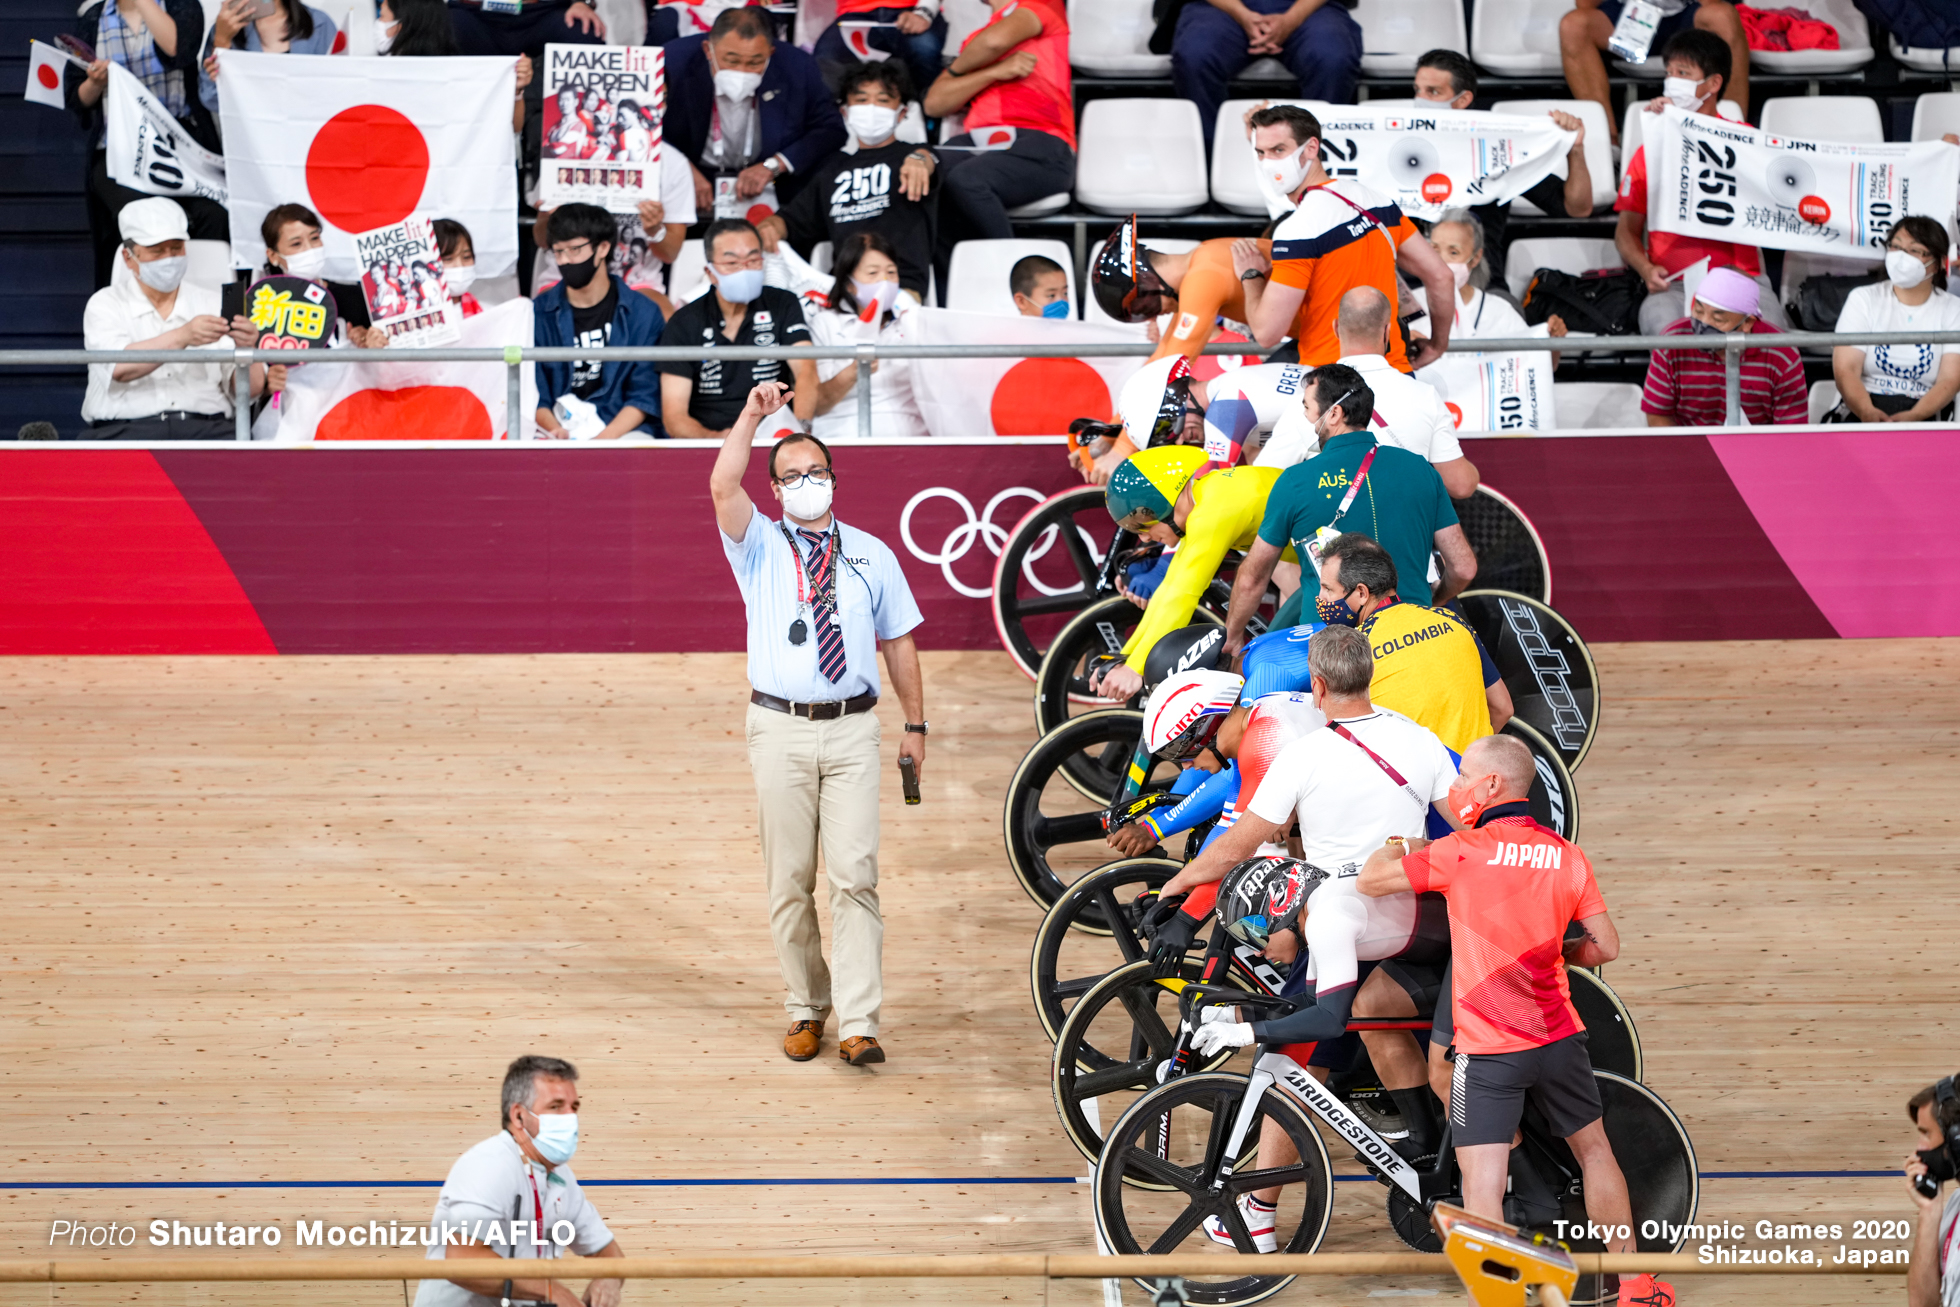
pixel 1664 31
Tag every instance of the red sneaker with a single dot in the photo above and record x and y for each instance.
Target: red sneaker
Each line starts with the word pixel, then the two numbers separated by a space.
pixel 1645 1291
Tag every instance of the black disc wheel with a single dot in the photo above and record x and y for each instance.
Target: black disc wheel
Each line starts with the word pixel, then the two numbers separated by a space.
pixel 1611 1039
pixel 1114 1047
pixel 1550 673
pixel 1554 799
pixel 1048 571
pixel 1052 818
pixel 1091 931
pixel 1062 685
pixel 1410 1219
pixel 1177 1136
pixel 1510 556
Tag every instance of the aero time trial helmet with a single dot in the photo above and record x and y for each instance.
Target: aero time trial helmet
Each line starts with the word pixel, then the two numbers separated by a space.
pixel 1183 714
pixel 1150 405
pixel 1262 896
pixel 1146 485
pixel 1126 287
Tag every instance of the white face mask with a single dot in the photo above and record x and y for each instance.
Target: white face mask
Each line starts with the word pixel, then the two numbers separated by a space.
pixel 736 85
pixel 383 40
pixel 807 501
pixel 882 294
pixel 1460 273
pixel 306 263
pixel 164 275
pixel 870 122
pixel 1680 92
pixel 460 276
pixel 556 1137
pixel 1904 270
pixel 1284 174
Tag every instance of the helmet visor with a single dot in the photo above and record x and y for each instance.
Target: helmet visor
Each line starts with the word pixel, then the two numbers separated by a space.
pixel 1194 738
pixel 1254 930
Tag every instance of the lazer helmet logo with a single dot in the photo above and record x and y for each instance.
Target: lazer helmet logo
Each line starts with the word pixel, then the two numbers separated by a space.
pixel 1201 651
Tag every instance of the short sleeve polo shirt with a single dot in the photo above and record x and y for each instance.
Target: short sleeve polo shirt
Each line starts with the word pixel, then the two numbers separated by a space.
pixel 1401 505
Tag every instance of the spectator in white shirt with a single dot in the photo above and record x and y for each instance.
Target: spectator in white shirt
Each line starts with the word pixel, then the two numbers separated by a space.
pixel 1409 414
pixel 516 1187
pixel 1910 382
pixel 1459 237
pixel 151 306
pixel 867 283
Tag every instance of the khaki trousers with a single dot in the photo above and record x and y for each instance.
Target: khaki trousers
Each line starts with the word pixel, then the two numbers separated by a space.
pixel 817 786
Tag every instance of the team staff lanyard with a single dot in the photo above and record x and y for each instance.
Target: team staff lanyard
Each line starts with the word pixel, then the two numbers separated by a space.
pixel 1380 762
pixel 799 631
pixel 1326 535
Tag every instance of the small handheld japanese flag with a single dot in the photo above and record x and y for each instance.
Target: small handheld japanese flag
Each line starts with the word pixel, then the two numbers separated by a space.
pixel 44 74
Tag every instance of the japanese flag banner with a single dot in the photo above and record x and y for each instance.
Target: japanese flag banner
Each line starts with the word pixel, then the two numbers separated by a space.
pixel 603 105
pixel 1727 181
pixel 1428 160
pixel 45 69
pixel 1498 393
pixel 1012 397
pixel 149 150
pixel 366 142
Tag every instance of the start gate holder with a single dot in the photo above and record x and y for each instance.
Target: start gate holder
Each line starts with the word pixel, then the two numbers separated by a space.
pixel 1497 1264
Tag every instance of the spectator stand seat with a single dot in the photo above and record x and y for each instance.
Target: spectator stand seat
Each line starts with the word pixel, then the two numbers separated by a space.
pixel 1598 147
pixel 1394 35
pixel 1111 38
pixel 1846 119
pixel 1854 43
pixel 1937 113
pixel 1823 398
pixel 1092 311
pixel 1574 254
pixel 1518 38
pixel 1631 131
pixel 1144 156
pixel 963 19
pixel 1232 183
pixel 1597 405
pixel 976 282
pixel 1927 60
pixel 1041 208
pixel 687 273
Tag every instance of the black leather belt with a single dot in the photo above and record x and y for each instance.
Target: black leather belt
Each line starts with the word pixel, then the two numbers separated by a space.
pixel 816 712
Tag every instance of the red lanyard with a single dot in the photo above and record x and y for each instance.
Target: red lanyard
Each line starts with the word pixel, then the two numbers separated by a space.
pixel 796 557
pixel 1380 761
pixel 1354 487
pixel 537 1203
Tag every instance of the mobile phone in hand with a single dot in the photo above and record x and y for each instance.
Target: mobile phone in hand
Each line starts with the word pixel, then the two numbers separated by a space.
pixel 257 9
pixel 908 775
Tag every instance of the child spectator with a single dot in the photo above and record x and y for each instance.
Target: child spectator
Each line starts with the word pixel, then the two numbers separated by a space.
pixel 1584 32
pixel 1040 288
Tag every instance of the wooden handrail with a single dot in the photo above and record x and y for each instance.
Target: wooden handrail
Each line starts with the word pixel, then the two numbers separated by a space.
pixel 861 1266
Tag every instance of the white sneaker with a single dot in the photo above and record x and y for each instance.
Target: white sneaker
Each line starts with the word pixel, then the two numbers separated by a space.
pixel 1258 1223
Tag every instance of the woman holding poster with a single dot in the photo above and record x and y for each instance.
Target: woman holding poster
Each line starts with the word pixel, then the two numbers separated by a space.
pixel 1901 383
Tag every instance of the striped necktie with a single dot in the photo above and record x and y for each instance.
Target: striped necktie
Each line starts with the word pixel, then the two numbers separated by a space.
pixel 823 604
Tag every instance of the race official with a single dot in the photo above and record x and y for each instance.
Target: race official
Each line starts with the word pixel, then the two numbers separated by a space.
pixel 821 598
pixel 1934 1280
pixel 518 1183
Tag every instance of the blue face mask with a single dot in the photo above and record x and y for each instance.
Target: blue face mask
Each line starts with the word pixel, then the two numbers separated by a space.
pixel 740 287
pixel 557 1137
pixel 1055 309
pixel 1335 612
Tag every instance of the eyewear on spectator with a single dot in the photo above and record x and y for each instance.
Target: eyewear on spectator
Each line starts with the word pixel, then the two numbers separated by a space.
pixel 571 251
pixel 733 261
pixel 822 476
pixel 169 249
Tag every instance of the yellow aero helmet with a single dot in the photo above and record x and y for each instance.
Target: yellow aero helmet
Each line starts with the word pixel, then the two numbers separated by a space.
pixel 1148 483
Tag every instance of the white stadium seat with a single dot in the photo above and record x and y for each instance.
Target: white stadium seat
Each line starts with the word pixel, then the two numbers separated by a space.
pixel 1823 398
pixel 1632 132
pixel 1110 38
pixel 1599 144
pixel 1140 156
pixel 1937 113
pixel 492 291
pixel 963 19
pixel 1518 38
pixel 1799 267
pixel 686 274
pixel 1566 253
pixel 977 279
pixel 1854 43
pixel 210 263
pixel 1092 311
pixel 1232 181
pixel 1926 61
pixel 1267 69
pixel 1394 36
pixel 1848 119
pixel 1595 405
pixel 1042 207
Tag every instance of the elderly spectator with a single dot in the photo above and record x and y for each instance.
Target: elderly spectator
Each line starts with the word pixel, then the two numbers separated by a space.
pixel 1011 73
pixel 1215 40
pixel 747 112
pixel 1040 287
pixel 1411 414
pixel 913 30
pixel 1583 34
pixel 157 41
pixel 290 28
pixel 586 309
pixel 1910 382
pixel 867 284
pixel 518 1182
pixel 884 186
pixel 157 309
pixel 1459 238
pixel 701 400
pixel 1687 387
pixel 1697 75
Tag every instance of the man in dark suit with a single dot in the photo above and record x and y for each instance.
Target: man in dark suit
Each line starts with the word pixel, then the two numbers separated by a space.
pixel 748 113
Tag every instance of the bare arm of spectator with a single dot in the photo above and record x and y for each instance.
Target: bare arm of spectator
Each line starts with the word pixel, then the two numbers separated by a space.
pixel 1630 238
pixel 1848 370
pixel 704 190
pixel 773 230
pixel 628 419
pixel 984 61
pixel 163 28
pixel 1578 177
pixel 1269 309
pixel 1459 564
pixel 734 510
pixel 1460 477
pixel 1946 384
pixel 804 405
pixel 676 393
pixel 200 330
pixel 1419 259
pixel 673 235
pixel 523 80
pixel 92 87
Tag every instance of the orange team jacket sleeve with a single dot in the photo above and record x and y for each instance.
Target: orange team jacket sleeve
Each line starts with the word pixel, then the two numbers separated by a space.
pixel 1211 289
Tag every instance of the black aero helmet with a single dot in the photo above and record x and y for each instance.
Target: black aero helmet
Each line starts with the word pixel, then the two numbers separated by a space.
pixel 1123 274
pixel 1262 896
pixel 1196 648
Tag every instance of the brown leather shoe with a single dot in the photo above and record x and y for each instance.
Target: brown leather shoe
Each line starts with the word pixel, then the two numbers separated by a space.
pixel 860 1050
pixel 803 1040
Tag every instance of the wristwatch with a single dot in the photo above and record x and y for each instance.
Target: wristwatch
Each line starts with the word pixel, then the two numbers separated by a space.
pixel 915 728
pixel 773 164
pixel 1252 274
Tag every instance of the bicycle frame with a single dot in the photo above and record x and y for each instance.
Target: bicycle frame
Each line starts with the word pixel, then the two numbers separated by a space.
pixel 1274 1069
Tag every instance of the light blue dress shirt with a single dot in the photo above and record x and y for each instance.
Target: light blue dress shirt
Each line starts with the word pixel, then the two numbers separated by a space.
pixel 873 601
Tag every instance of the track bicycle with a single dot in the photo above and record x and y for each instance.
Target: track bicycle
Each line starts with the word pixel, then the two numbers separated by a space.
pixel 1548 669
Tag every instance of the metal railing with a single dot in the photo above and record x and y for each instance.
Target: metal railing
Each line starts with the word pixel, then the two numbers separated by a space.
pixel 513 357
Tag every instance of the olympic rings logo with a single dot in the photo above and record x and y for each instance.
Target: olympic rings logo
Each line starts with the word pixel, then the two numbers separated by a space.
pixel 960 541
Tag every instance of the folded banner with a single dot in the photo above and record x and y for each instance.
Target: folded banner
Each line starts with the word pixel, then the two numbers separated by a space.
pixel 149 150
pixel 1720 180
pixel 1006 396
pixel 1428 160
pixel 364 143
pixel 1498 393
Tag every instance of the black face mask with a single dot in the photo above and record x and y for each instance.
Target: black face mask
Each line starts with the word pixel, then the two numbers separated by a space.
pixel 579 275
pixel 1939 1163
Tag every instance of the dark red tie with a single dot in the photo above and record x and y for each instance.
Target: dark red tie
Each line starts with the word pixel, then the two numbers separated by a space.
pixel 830 639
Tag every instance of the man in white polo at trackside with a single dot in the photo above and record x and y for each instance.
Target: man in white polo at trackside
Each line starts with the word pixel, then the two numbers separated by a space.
pixel 516 1187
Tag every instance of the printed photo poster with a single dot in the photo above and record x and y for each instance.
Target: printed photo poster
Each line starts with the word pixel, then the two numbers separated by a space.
pixel 402 280
pixel 603 106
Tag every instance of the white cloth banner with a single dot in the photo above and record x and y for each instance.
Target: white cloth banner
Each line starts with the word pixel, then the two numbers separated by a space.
pixel 410 401
pixel 150 151
pixel 365 142
pixel 1428 160
pixel 1006 396
pixel 1500 393
pixel 1726 181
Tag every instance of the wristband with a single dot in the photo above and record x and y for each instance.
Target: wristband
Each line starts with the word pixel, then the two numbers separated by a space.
pixel 916 728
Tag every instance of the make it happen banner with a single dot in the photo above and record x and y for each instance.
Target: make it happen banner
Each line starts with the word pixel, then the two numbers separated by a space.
pixel 1428 160
pixel 1727 181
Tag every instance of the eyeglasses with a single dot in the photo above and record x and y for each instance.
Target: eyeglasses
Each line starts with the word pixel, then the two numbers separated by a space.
pixel 573 253
pixel 735 263
pixel 823 476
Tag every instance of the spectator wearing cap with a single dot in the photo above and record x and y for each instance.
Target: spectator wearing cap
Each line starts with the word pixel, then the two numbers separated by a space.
pixel 912 30
pixel 1215 40
pixel 290 28
pixel 749 111
pixel 586 308
pixel 155 308
pixel 1687 387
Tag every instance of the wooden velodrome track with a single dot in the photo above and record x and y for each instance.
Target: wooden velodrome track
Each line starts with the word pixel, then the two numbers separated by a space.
pixel 285 920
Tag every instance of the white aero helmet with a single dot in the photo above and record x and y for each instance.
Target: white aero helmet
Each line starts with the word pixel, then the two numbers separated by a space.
pixel 1151 403
pixel 1183 713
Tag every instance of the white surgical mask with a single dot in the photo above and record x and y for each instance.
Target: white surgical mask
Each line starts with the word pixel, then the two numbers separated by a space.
pixel 883 294
pixel 307 263
pixel 1284 174
pixel 382 40
pixel 871 122
pixel 1680 92
pixel 556 1137
pixel 164 275
pixel 1904 270
pixel 808 501
pixel 740 287
pixel 1460 273
pixel 460 276
pixel 736 85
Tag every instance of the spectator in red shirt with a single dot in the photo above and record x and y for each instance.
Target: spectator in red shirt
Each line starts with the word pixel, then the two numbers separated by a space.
pixel 1698 66
pixel 1012 79
pixel 1584 32
pixel 1687 387
pixel 911 30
